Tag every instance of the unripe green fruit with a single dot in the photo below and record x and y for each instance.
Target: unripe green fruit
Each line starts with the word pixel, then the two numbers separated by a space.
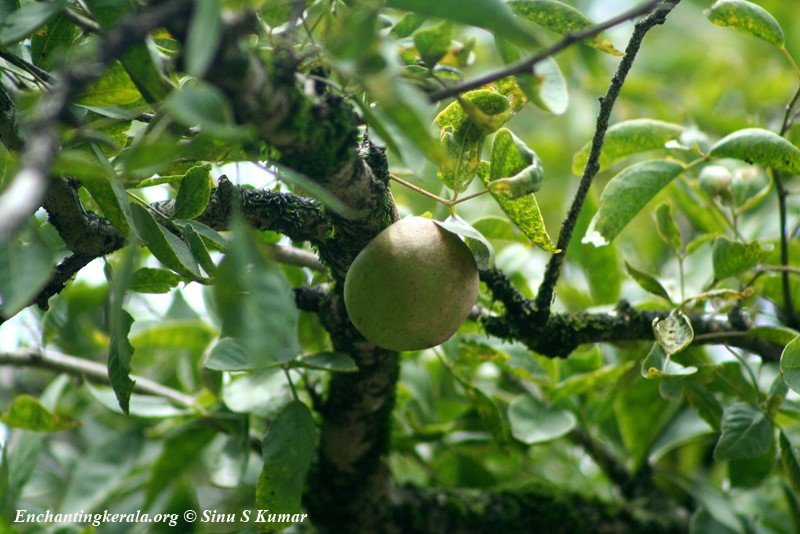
pixel 412 286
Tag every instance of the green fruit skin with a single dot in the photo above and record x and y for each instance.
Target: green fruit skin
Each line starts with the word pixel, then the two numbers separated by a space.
pixel 412 286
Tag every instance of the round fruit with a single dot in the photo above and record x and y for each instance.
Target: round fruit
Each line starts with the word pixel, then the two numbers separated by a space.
pixel 412 286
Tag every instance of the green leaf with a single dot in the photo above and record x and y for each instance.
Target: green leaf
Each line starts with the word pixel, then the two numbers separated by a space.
pixel 27 412
pixel 48 46
pixel 113 88
pixel 489 414
pixel 164 245
pixel 255 303
pixel 657 365
pixel 761 147
pixel 674 333
pixel 481 249
pixel 524 211
pixel 24 21
pixel 140 61
pixel 288 448
pixel 667 228
pixel 704 403
pixel 199 250
pixel 228 355
pixel 647 282
pixel 625 196
pixel 589 382
pixel 149 280
pixel 780 335
pixel 407 24
pixel 476 115
pixel 746 433
pixel 790 461
pixel 120 350
pixel 562 19
pixel 492 15
pixel 627 138
pixel 203 38
pixel 193 193
pixel 533 422
pixel 335 362
pixel 790 364
pixel 203 105
pixel 515 169
pixel 25 265
pixel 748 17
pixel 433 42
pixel 731 257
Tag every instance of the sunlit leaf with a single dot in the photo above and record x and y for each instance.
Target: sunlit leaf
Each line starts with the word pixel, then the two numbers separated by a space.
pixel 481 249
pixel 433 42
pixel 560 18
pixel 759 146
pixel 746 16
pixel 627 138
pixel 546 87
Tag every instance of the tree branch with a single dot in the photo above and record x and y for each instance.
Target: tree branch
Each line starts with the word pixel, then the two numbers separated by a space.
pixel 91 371
pixel 535 508
pixel 28 187
pixel 544 297
pixel 526 65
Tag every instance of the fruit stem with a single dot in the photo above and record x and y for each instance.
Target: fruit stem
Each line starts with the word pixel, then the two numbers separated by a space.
pixel 468 197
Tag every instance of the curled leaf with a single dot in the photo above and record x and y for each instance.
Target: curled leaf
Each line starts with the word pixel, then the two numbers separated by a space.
pixel 748 17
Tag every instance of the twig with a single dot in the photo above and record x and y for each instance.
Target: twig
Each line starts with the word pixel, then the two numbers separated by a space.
pixel 29 185
pixel 525 66
pixel 85 23
pixel 28 67
pixel 545 295
pixel 91 371
pixel 295 256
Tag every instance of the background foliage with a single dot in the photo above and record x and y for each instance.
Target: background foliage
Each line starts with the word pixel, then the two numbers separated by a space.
pixel 173 335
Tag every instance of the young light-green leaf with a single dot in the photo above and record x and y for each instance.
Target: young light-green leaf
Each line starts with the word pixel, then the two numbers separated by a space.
pixel 547 88
pixel 625 196
pixel 746 16
pixel 560 18
pixel 433 42
pixel 515 169
pixel 288 448
pixel 746 433
pixel 193 193
pixel 492 15
pixel 647 282
pixel 759 146
pixel 731 257
pixel 533 422
pixel 165 246
pixel 627 138
pixel 481 249
pixel 790 364
pixel 27 413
